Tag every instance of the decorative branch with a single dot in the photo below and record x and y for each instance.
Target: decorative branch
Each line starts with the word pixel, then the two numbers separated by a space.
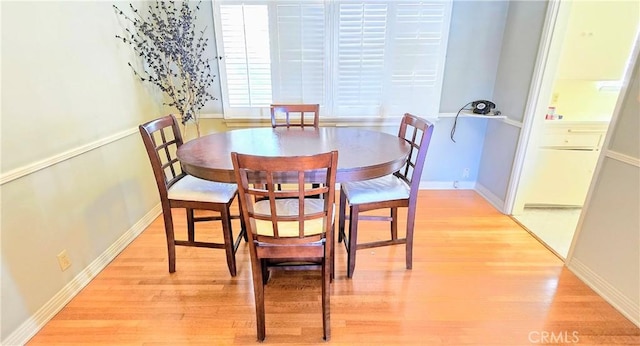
pixel 173 54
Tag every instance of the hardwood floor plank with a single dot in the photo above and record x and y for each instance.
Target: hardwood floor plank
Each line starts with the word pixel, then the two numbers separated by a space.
pixel 478 278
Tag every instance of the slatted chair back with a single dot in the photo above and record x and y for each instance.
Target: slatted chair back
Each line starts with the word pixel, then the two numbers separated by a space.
pixel 399 190
pixel 288 228
pixel 417 132
pixel 295 115
pixel 177 189
pixel 162 138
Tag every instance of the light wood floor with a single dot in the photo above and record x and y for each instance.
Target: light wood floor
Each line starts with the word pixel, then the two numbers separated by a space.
pixel 477 279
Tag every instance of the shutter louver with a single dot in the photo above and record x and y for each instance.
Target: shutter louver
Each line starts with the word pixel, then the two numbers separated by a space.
pixel 356 58
pixel 301 40
pixel 416 66
pixel 245 36
pixel 361 52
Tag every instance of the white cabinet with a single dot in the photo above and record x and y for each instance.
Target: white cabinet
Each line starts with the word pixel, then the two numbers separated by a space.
pixel 566 159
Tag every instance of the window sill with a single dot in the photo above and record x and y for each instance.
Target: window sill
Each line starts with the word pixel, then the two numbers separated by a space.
pixel 239 122
pixel 470 114
pixel 324 121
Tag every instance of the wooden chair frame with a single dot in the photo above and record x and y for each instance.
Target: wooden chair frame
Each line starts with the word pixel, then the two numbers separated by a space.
pixel 161 139
pixel 295 108
pixel 257 179
pixel 417 132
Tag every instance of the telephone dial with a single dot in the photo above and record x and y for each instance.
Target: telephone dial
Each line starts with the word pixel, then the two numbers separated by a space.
pixel 482 106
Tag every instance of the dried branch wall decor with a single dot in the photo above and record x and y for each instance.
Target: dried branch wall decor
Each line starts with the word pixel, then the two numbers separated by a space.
pixel 172 51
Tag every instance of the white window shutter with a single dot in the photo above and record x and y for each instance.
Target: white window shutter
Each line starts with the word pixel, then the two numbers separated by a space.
pixel 356 58
pixel 247 63
pixel 360 54
pixel 300 52
pixel 416 65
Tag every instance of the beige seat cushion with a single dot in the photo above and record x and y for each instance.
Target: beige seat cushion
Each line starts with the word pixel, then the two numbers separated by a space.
pixel 385 188
pixel 191 188
pixel 289 207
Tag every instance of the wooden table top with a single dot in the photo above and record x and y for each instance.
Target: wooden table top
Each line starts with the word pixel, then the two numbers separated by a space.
pixel 362 154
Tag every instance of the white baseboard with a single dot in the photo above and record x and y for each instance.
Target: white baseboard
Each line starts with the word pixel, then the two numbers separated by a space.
pixel 30 327
pixel 605 290
pixel 447 185
pixel 496 201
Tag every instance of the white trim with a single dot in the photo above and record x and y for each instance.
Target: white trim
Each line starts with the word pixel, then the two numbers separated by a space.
pixel 52 160
pixel 513 123
pixel 634 161
pixel 447 185
pixel 32 325
pixel 211 116
pixel 496 201
pixel 326 121
pixel 465 113
pixel 540 80
pixel 607 291
pixel 439 185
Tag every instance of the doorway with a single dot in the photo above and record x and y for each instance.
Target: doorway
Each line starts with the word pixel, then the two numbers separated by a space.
pixel 587 58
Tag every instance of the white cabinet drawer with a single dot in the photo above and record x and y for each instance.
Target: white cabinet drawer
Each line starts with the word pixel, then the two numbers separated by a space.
pixel 572 139
pixel 573 135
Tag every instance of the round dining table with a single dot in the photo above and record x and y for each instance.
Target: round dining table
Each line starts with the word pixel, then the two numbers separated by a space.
pixel 362 154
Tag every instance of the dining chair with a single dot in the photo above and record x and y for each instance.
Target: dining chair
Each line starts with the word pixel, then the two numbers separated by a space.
pixel 397 190
pixel 287 121
pixel 281 115
pixel 286 228
pixel 177 189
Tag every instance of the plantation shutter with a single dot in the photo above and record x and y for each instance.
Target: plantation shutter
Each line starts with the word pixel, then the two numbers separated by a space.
pixel 390 56
pixel 356 58
pixel 300 52
pixel 418 48
pixel 245 40
pixel 361 47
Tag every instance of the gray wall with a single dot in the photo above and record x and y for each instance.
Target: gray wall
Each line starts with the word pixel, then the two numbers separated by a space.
pixel 518 56
pixel 74 173
pixel 606 250
pixel 473 53
pixel 471 68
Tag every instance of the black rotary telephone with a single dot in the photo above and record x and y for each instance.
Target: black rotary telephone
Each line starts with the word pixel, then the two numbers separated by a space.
pixel 482 106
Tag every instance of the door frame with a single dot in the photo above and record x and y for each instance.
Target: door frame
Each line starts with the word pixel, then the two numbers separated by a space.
pixel 544 74
pixel 605 152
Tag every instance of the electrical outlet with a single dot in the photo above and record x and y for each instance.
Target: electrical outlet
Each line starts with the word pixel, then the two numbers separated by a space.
pixel 455 184
pixel 465 173
pixel 63 260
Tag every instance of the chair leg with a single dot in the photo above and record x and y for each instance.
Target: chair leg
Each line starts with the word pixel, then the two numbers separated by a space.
pixel 342 215
pixel 171 245
pixel 394 223
pixel 258 291
pixel 245 236
pixel 190 226
pixel 266 274
pixel 326 304
pixel 353 239
pixel 332 260
pixel 227 233
pixel 243 227
pixel 411 220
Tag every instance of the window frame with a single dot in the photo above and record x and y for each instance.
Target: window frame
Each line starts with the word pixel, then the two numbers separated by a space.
pixel 328 113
